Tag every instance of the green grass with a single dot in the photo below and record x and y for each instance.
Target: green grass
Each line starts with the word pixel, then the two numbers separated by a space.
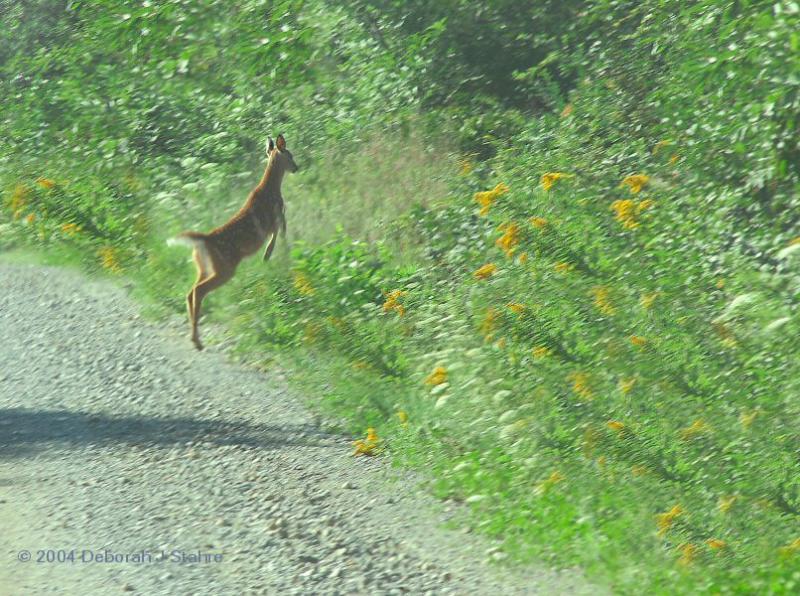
pixel 617 389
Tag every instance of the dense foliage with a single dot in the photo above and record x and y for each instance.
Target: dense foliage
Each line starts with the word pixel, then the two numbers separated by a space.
pixel 550 249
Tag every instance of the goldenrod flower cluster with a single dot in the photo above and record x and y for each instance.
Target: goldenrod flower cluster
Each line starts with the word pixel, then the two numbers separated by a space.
pixel 636 182
pixel 688 553
pixel 437 377
pixel 489 323
pixel 550 178
pixel 109 259
pixel 697 428
pixel 367 446
pixel 616 426
pixel 550 482
pixel 485 271
pixel 70 229
pixel 638 341
pixel 540 352
pixel 302 284
pixel 540 223
pixel 647 300
pixel 487 197
pixel 392 304
pixel 602 300
pixel 18 200
pixel 627 210
pixel 665 520
pixel 563 267
pixel 580 385
pixel 510 238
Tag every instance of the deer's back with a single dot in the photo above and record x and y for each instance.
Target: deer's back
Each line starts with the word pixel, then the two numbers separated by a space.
pixel 246 232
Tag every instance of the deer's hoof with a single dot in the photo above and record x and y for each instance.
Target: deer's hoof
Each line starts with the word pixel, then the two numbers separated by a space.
pixel 197 344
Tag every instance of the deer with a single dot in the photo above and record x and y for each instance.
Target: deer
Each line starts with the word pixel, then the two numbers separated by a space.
pixel 218 253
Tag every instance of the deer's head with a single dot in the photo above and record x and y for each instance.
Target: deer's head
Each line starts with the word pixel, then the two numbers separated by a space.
pixel 282 157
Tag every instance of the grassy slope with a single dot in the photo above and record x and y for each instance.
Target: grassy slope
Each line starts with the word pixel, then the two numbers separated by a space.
pixel 624 361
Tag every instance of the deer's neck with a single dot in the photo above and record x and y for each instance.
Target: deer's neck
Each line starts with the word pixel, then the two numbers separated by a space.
pixel 271 180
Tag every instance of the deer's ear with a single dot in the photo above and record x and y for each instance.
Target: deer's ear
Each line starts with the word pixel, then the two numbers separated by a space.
pixel 280 143
pixel 270 144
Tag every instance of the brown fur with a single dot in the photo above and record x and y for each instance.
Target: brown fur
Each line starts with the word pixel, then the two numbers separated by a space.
pixel 218 253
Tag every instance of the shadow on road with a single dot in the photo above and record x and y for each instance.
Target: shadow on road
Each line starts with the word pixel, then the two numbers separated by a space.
pixel 25 432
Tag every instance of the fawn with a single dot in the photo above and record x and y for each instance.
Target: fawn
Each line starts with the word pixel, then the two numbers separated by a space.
pixel 218 253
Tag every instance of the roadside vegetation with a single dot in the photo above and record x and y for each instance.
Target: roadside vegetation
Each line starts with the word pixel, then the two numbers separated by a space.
pixel 549 252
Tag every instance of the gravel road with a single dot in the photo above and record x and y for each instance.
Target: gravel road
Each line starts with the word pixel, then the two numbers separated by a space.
pixel 160 470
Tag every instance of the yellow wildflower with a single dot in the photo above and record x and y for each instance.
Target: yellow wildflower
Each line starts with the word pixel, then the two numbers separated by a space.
pixel 635 182
pixel 660 145
pixel 688 553
pixel 509 240
pixel 489 323
pixel 485 271
pixel 664 520
pixel 18 200
pixel 109 259
pixel 746 419
pixel 550 178
pixel 616 426
pixel 580 385
pixel 644 205
pixel 540 352
pixel 437 377
pixel 674 159
pixel 465 166
pixel 539 223
pixel 716 544
pixel 720 283
pixel 392 304
pixel 697 428
pixel 487 197
pixel 516 308
pixel 626 385
pixel 402 417
pixel 367 446
pixel 725 503
pixel 45 183
pixel 563 267
pixel 638 341
pixel 303 284
pixel 566 111
pixel 70 229
pixel 647 300
pixel 523 258
pixel 550 482
pixel 31 218
pixel 790 549
pixel 602 300
pixel 625 210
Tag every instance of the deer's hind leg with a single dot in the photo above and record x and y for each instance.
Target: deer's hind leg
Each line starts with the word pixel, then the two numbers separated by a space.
pixel 200 290
pixel 270 246
pixel 205 270
pixel 219 270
